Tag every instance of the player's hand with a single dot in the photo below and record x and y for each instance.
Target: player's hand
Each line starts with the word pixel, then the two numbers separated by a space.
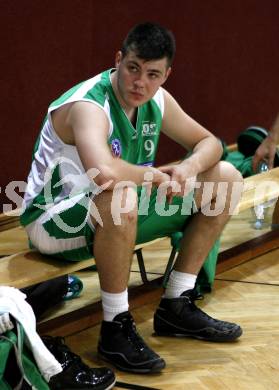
pixel 265 152
pixel 182 179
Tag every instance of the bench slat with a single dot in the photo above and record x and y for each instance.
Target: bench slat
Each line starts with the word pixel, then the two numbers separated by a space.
pixel 259 189
pixel 30 267
pixel 13 241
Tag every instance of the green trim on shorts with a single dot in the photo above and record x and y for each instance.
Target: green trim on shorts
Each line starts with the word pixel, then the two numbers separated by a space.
pixel 39 204
pixel 69 223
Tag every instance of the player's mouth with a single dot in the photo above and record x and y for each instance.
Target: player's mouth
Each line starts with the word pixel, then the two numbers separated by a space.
pixel 137 95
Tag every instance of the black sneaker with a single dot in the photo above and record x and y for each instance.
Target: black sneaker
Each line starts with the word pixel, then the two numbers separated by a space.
pixel 181 317
pixel 76 375
pixel 121 345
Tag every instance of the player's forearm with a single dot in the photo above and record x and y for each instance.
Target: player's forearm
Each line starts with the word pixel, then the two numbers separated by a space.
pixel 274 131
pixel 120 171
pixel 205 154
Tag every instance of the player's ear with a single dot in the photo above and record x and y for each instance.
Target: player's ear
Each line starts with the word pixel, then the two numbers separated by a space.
pixel 168 72
pixel 118 58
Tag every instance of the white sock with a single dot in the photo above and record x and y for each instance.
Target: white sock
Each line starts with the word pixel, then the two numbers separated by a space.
pixel 114 304
pixel 178 283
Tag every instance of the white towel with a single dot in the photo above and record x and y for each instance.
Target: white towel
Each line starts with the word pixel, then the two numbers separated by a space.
pixel 13 301
pixel 5 323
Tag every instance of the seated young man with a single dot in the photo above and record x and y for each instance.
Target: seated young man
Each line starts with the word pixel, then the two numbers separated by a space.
pixel 92 190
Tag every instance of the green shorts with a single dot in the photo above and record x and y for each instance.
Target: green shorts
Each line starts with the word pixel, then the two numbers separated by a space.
pixel 66 231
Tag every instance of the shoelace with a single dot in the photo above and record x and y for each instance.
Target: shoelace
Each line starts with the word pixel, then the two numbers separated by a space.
pixel 196 295
pixel 193 296
pixel 132 334
pixel 58 344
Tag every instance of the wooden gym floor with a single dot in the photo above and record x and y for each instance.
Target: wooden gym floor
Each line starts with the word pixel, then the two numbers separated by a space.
pixel 246 294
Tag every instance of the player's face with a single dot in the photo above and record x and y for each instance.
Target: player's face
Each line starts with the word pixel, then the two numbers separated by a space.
pixel 138 80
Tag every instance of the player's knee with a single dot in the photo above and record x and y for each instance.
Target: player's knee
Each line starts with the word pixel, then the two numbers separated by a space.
pixel 229 173
pixel 130 206
pixel 124 206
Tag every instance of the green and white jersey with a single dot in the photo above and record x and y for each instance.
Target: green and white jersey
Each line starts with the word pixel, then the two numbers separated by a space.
pixel 57 172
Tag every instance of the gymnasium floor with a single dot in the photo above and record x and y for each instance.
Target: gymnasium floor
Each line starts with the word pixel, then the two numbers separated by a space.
pixel 247 294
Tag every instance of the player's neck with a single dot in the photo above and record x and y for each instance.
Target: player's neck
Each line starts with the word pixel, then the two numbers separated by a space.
pixel 132 115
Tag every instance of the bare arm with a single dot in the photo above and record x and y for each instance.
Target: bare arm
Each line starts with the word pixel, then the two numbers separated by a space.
pixel 90 128
pixel 266 151
pixel 206 148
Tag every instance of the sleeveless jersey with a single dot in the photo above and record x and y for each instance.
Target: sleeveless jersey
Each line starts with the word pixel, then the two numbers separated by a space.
pixel 57 172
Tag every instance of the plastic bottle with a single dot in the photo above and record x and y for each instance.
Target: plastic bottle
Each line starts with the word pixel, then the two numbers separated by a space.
pixel 259 209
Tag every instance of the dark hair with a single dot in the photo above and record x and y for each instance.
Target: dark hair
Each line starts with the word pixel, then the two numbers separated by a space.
pixel 150 41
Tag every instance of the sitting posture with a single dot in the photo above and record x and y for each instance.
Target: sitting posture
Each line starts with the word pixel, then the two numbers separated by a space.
pixel 93 190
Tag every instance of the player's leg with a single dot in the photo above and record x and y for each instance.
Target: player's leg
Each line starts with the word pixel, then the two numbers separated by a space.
pixel 65 231
pixel 114 243
pixel 177 313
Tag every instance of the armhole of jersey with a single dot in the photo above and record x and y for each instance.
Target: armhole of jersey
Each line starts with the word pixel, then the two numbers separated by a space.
pixel 159 100
pixel 105 109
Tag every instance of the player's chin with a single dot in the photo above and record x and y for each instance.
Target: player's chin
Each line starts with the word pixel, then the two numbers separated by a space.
pixel 137 102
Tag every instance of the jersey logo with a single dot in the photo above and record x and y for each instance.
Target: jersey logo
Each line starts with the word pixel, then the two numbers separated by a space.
pixel 149 129
pixel 116 147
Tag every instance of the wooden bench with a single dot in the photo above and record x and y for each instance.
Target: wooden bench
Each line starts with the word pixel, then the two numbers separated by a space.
pixel 29 267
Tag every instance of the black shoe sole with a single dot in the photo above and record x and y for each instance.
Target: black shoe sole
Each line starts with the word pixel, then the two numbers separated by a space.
pixel 90 388
pixel 213 338
pixel 161 364
pixel 169 329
